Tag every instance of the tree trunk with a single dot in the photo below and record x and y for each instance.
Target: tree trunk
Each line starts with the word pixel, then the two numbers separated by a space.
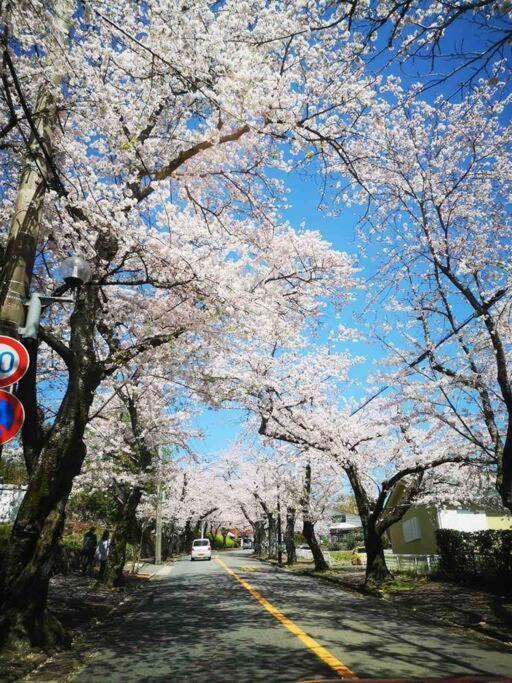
pixel 38 172
pixel 308 531
pixel 259 535
pixel 39 523
pixel 504 478
pixel 376 569
pixel 271 533
pixel 308 528
pixel 117 552
pixel 289 537
pixel 126 514
pixel 188 536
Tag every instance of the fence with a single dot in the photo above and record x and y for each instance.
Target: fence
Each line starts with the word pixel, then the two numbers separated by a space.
pixel 415 564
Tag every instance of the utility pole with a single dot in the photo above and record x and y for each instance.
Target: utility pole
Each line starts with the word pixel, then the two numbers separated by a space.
pixel 38 169
pixel 279 531
pixel 158 529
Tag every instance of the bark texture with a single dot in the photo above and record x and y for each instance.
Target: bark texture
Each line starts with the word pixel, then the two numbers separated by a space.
pixel 308 528
pixel 289 536
pixel 36 532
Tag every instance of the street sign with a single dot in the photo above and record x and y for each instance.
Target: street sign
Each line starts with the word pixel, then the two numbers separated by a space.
pixel 14 361
pixel 12 416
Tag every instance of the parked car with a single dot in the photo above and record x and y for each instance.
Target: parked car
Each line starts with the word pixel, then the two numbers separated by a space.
pixel 359 555
pixel 201 549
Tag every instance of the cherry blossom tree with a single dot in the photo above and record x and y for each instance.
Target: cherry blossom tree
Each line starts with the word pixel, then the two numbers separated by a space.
pixel 274 484
pixel 157 173
pixel 134 426
pixel 437 176
pixel 298 396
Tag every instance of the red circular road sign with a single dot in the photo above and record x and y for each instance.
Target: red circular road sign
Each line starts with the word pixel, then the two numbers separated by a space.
pixel 14 361
pixel 12 416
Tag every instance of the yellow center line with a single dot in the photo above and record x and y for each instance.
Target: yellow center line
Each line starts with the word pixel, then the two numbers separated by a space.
pixel 338 667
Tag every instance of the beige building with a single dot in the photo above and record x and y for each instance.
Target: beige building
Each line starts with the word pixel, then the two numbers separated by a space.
pixel 415 533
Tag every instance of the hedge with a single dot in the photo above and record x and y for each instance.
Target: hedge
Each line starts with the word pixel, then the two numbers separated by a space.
pixel 485 556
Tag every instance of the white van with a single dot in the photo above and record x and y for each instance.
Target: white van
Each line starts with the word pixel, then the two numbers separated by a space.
pixel 201 549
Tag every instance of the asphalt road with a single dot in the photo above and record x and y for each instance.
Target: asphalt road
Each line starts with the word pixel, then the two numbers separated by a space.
pixel 201 625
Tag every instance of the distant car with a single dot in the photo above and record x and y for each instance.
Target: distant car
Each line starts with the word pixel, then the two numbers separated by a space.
pixel 246 543
pixel 201 550
pixel 359 556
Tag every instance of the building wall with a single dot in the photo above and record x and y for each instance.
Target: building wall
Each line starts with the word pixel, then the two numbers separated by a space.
pixel 426 524
pixel 496 521
pixel 10 501
pixel 428 520
pixel 463 520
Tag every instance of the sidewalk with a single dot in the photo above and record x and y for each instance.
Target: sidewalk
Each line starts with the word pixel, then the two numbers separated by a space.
pixel 110 603
pixel 463 606
pixel 148 570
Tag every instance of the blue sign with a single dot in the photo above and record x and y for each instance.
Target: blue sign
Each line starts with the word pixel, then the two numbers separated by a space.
pixel 12 416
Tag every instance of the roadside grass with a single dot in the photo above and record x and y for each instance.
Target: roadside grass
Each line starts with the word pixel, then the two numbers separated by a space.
pixel 343 556
pixel 404 581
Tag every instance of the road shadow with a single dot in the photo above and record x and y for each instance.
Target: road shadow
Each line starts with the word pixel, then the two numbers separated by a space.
pixel 378 636
pixel 184 631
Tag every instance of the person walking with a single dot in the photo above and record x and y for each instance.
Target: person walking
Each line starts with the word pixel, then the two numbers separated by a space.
pixel 102 553
pixel 89 543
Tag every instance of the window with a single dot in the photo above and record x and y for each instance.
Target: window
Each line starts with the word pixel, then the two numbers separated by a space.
pixel 201 543
pixel 411 529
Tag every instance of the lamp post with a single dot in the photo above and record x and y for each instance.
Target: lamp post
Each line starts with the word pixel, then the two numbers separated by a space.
pixel 75 271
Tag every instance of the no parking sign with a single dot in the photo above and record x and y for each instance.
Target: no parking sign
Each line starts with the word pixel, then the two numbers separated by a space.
pixel 14 361
pixel 12 416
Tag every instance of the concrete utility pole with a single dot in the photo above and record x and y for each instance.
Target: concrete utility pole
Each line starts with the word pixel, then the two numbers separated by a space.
pixel 158 521
pixel 158 532
pixel 18 262
pixel 158 525
pixel 279 531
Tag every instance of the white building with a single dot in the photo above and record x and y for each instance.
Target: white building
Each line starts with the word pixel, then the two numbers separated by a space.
pixel 342 523
pixel 10 501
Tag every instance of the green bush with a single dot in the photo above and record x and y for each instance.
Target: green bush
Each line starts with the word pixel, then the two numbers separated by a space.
pixel 348 541
pixel 5 534
pixel 485 556
pixel 73 540
pixel 218 542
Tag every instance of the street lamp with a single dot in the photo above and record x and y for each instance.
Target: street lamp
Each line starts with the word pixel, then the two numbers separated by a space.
pixel 75 271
